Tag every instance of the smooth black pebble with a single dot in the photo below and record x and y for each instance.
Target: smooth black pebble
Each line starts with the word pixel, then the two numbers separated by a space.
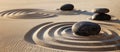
pixel 67 7
pixel 101 10
pixel 101 17
pixel 86 28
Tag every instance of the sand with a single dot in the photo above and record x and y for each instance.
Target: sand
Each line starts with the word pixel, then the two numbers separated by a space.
pixel 36 26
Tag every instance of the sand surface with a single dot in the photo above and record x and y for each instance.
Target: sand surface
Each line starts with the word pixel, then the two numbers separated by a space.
pixel 36 26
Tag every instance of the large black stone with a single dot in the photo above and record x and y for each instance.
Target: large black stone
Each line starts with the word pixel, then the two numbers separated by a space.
pixel 101 16
pixel 67 7
pixel 86 28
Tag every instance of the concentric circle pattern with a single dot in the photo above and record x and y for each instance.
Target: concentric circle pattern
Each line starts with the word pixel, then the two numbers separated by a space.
pixel 26 14
pixel 59 36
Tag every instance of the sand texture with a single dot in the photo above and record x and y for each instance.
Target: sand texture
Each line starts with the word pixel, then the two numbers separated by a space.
pixel 37 26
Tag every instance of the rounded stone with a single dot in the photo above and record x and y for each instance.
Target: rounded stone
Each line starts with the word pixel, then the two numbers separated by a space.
pixel 101 10
pixel 101 17
pixel 86 28
pixel 67 7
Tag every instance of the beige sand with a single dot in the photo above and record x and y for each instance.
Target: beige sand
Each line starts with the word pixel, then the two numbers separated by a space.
pixel 23 31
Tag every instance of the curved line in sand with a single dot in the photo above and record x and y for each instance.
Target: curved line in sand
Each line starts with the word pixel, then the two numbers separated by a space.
pixel 59 36
pixel 26 14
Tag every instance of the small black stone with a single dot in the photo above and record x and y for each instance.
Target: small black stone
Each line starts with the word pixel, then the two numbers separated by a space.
pixel 101 10
pixel 86 28
pixel 101 16
pixel 67 7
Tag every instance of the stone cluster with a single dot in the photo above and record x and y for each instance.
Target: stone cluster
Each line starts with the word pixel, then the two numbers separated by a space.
pixel 100 14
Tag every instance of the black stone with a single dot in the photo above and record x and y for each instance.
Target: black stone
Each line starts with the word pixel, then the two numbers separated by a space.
pixel 101 10
pixel 86 28
pixel 67 7
pixel 101 17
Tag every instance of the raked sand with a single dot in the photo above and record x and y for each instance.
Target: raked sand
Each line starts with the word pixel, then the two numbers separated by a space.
pixel 36 26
